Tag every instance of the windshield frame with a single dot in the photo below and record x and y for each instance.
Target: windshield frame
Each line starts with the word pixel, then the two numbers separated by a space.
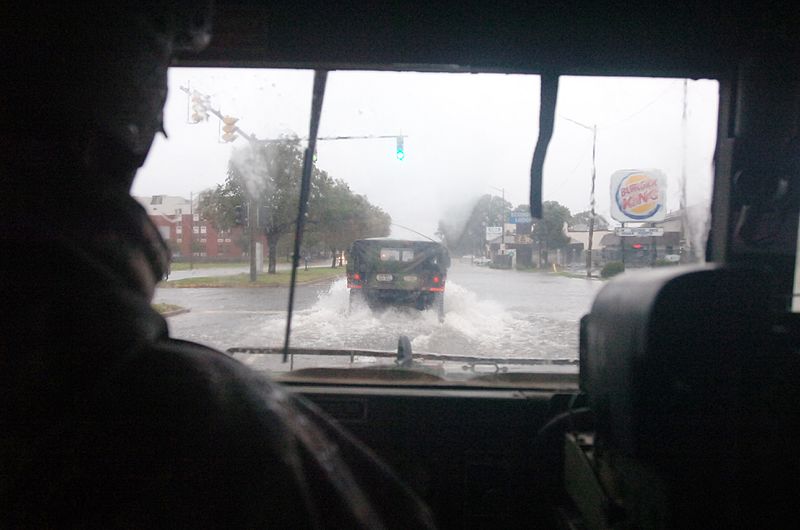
pixel 296 264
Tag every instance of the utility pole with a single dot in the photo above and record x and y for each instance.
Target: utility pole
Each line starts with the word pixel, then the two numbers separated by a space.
pixel 591 200
pixel 653 248
pixel 592 128
pixel 503 219
pixel 252 225
pixel 686 229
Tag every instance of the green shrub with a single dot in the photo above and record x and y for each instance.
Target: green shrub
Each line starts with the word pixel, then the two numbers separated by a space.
pixel 612 268
pixel 665 263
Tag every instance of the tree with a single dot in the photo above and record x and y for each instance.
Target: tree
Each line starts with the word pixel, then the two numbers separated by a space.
pixel 583 218
pixel 467 234
pixel 267 179
pixel 549 230
pixel 217 205
pixel 264 179
pixel 341 216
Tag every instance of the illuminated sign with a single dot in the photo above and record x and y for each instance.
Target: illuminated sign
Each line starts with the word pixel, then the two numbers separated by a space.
pixel 638 195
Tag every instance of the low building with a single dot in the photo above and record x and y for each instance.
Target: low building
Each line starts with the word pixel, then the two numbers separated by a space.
pixel 639 251
pixel 188 235
pixel 671 245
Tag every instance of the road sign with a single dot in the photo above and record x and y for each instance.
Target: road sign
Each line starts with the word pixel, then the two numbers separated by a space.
pixel 518 218
pixel 493 231
pixel 627 231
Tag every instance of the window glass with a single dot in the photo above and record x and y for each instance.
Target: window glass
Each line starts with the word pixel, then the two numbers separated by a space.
pixel 427 176
pixel 390 254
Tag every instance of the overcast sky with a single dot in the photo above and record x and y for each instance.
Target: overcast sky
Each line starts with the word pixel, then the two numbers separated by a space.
pixel 467 135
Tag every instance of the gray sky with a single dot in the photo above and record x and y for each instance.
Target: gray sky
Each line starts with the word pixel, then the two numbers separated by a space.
pixel 467 134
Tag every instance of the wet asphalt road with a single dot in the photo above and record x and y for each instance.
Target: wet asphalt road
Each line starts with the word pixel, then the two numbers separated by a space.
pixel 488 312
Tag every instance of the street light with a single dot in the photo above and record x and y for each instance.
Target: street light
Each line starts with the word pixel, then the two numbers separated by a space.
pixel 592 128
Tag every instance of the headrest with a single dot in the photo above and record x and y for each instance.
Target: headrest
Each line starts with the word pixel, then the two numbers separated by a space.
pixel 664 355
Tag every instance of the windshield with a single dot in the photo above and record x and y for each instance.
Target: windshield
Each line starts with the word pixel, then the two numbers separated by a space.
pixel 418 223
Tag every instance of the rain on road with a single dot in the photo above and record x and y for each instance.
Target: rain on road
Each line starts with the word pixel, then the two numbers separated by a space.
pixel 488 312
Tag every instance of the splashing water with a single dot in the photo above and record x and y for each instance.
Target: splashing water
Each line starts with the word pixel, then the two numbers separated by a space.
pixel 471 327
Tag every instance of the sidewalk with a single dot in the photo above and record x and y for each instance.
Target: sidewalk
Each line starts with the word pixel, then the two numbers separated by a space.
pixel 199 272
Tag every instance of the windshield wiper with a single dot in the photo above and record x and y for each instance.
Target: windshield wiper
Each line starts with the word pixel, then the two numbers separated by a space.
pixel 547 111
pixel 320 77
pixel 352 353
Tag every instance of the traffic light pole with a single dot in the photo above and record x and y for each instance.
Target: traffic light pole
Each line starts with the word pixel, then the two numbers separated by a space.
pixel 191 232
pixel 252 225
pixel 232 129
pixel 262 141
pixel 249 137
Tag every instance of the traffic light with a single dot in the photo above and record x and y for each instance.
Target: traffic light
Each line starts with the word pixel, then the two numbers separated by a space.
pixel 239 217
pixel 199 108
pixel 229 129
pixel 400 153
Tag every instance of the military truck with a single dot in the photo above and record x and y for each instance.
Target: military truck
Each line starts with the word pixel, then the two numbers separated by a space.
pixel 383 271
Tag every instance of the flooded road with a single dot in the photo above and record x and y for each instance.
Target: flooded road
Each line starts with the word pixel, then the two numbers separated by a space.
pixel 488 312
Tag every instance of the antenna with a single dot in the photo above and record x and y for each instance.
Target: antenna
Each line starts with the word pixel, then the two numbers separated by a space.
pixel 414 231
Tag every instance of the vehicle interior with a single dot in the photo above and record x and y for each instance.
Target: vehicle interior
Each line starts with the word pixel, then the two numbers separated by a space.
pixel 679 405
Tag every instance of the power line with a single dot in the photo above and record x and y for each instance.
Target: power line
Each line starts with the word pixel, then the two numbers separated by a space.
pixel 569 176
pixel 642 109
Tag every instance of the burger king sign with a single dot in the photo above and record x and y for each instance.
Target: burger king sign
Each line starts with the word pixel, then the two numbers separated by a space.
pixel 638 195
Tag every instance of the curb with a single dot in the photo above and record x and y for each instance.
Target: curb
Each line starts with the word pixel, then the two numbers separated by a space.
pixel 200 286
pixel 175 313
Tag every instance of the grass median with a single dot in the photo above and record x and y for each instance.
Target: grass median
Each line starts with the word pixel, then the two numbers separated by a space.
pixel 169 310
pixel 279 279
pixel 184 265
pixel 166 308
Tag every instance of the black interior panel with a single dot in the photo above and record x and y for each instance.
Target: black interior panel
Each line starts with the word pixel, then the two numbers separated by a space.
pixel 468 453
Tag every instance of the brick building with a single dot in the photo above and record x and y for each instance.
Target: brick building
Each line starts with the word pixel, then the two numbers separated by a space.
pixel 185 232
